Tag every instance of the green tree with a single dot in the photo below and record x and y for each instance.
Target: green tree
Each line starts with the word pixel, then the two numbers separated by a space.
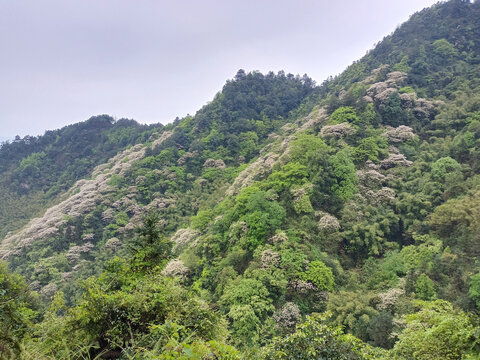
pixel 319 275
pixel 17 312
pixel 345 175
pixel 149 248
pixel 247 302
pixel 121 309
pixel 444 49
pixel 474 290
pixel 316 339
pixel 425 288
pixel 344 114
pixel 438 331
pixel 393 113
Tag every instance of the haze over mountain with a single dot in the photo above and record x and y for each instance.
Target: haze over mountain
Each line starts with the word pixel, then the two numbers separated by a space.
pixel 284 220
pixel 68 61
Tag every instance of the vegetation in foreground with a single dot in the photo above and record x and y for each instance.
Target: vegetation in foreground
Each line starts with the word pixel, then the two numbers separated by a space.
pixel 282 221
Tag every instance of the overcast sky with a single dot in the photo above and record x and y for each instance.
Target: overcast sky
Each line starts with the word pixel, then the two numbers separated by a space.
pixel 63 61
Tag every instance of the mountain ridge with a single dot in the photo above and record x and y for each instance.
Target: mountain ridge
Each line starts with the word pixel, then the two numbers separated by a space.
pixel 277 201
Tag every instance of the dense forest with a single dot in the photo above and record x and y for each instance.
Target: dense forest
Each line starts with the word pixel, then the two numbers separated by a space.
pixel 284 220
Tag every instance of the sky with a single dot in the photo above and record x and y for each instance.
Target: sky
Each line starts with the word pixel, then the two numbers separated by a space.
pixel 63 61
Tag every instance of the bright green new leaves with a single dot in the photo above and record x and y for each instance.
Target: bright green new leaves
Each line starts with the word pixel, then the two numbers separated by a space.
pixel 420 257
pixel 425 288
pixel 448 173
pixel 444 49
pixel 438 331
pixel 249 303
pixel 262 216
pixel 319 275
pixel 446 169
pixel 289 175
pixel 304 146
pixel 196 350
pixel 370 148
pixel 345 174
pixel 353 311
pixel 344 114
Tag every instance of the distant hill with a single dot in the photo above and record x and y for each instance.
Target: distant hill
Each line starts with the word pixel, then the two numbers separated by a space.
pixel 284 220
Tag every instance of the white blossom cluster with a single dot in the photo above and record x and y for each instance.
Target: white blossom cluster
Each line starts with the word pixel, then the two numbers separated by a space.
pixel 212 163
pixel 84 197
pixel 328 223
pixel 188 155
pixel 287 316
pixel 399 134
pixel 388 299
pixel 394 160
pixel 113 244
pixel 337 130
pixel 183 238
pixel 258 168
pixel 278 238
pixel 383 196
pixel 374 74
pixel 370 177
pixel 73 254
pixel 270 259
pixel 175 268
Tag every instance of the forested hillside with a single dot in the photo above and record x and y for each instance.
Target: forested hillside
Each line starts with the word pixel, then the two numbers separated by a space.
pixel 36 169
pixel 283 220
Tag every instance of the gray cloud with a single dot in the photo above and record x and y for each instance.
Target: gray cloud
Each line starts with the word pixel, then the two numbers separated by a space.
pixel 64 60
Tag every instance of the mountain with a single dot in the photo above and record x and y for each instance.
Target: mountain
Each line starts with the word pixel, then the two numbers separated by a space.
pixel 36 170
pixel 283 220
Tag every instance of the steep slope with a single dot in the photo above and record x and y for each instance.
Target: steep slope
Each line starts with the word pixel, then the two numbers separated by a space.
pixel 72 239
pixel 34 170
pixel 279 200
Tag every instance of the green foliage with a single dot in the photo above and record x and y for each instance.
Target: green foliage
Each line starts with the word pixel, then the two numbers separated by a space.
pixel 344 114
pixel 262 216
pixel 455 221
pixel 369 116
pixel 345 175
pixel 315 339
pixel 474 290
pixel 406 90
pixel 248 304
pixel 17 311
pixel 425 288
pixel 370 148
pixel 150 247
pixel 195 350
pixel 56 337
pixel 319 275
pixel 383 274
pixel 120 309
pixel 444 49
pixel 201 220
pixel 353 311
pixel 270 237
pixel 438 331
pixel 304 146
pixel 447 172
pixel 288 176
pixel 421 257
pixel 402 65
pixel 393 113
